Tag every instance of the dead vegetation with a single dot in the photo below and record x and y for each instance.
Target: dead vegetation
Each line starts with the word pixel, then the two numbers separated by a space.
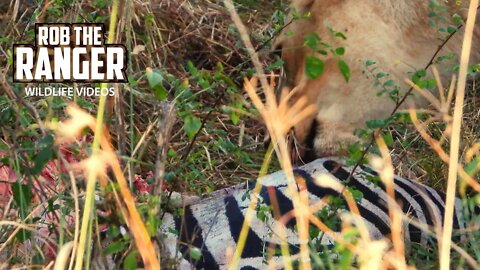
pixel 166 35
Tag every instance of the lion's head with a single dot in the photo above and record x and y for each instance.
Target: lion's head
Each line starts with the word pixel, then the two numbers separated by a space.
pixel 349 56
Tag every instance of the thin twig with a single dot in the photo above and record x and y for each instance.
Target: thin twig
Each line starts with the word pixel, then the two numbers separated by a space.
pixel 167 119
pixel 204 120
pixel 190 146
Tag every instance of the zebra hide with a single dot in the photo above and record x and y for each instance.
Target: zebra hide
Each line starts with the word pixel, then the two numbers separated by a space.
pixel 213 224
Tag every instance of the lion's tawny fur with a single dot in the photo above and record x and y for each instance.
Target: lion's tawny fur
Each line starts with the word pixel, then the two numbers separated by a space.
pixel 395 34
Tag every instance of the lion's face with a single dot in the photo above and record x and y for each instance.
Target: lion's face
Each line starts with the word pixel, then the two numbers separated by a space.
pixel 389 36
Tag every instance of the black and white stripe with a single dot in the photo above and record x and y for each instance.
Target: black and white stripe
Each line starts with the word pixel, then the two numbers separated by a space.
pixel 213 225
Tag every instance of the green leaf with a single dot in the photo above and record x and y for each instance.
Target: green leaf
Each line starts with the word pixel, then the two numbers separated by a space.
pixel 378 123
pixel 426 84
pixel 355 151
pixel 41 159
pixel 234 114
pixel 132 81
pixel 45 154
pixel 235 118
pixel 152 224
pixel 389 83
pixel 6 40
pixel 357 194
pixel 473 167
pixel 113 231
pixel 130 262
pixel 313 67
pixel 451 29
pixel 311 41
pixel 149 18
pixel 51 206
pixel 203 83
pixel 220 67
pixel 155 81
pixel 99 4
pixel 171 153
pixel 22 195
pixel 339 51
pixel 6 115
pixel 476 68
pixel 46 141
pixel 340 35
pixel 195 253
pixel 381 75
pixel 457 19
pixel 192 69
pixel 276 65
pixel 388 138
pixel 23 235
pixel 343 66
pixel 322 52
pixel 418 75
pixel 115 247
pixel 9 57
pixel 191 125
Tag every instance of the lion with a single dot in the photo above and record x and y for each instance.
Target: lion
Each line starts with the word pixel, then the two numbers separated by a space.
pixel 391 37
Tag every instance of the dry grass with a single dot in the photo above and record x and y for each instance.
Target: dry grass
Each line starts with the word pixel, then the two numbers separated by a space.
pixel 165 34
pixel 160 34
pixel 412 155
